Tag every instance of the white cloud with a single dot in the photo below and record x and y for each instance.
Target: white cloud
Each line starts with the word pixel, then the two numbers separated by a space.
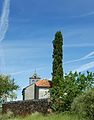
pixel 4 19
pixel 26 71
pixel 85 67
pixel 80 45
pixel 90 55
pixel 85 14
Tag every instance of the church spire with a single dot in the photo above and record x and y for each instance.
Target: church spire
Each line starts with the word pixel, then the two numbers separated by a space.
pixel 34 78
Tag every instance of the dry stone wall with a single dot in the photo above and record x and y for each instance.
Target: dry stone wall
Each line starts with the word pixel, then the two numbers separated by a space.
pixel 26 107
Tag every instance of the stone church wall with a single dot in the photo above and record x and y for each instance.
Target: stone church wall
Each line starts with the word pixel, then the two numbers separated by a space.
pixel 26 107
pixel 29 92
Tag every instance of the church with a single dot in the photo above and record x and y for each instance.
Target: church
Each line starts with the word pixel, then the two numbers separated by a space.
pixel 37 89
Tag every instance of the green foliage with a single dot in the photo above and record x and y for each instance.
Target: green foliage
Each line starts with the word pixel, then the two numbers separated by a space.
pixel 57 74
pixel 75 84
pixel 6 86
pixel 84 105
pixel 66 88
pixel 38 116
pixel 80 81
pixel 57 58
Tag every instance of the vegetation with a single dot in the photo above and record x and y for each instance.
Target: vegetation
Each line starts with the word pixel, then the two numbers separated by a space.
pixel 57 74
pixel 83 105
pixel 66 87
pixel 75 84
pixel 57 58
pixel 35 116
pixel 7 86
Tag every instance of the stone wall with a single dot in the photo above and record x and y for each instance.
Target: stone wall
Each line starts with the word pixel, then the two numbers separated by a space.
pixel 26 107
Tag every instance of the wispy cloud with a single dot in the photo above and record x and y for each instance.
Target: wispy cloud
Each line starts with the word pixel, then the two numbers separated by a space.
pixel 4 19
pixel 26 71
pixel 80 45
pixel 85 67
pixel 85 14
pixel 88 56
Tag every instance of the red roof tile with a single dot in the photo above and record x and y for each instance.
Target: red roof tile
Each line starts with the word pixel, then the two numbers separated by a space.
pixel 43 83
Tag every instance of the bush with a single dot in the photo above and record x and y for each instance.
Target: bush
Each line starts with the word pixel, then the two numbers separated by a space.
pixel 83 105
pixel 7 116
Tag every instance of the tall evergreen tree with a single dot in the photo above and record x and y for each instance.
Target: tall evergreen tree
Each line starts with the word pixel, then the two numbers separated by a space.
pixel 57 58
pixel 57 74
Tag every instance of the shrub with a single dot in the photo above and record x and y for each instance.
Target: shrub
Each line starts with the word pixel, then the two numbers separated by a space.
pixel 83 105
pixel 7 116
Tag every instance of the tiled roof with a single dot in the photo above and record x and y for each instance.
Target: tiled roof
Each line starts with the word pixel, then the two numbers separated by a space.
pixel 43 83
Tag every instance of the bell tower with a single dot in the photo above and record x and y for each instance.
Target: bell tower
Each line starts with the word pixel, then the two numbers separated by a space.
pixel 34 78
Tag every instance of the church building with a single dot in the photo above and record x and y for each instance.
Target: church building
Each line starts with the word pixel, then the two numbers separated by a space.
pixel 37 89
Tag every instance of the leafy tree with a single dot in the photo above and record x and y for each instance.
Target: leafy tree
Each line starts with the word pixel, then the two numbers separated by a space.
pixel 75 84
pixel 7 86
pixel 83 105
pixel 57 74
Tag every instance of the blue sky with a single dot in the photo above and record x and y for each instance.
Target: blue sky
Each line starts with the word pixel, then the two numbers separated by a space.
pixel 31 25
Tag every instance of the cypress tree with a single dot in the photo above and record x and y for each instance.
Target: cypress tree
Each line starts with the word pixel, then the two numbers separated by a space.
pixel 57 58
pixel 57 73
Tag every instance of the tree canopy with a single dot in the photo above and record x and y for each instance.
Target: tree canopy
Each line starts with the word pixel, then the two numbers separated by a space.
pixel 6 85
pixel 75 84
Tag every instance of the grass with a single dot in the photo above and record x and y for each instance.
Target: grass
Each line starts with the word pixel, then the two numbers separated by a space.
pixel 37 116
